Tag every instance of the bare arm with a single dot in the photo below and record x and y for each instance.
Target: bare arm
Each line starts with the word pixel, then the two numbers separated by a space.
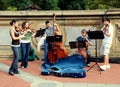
pixel 107 34
pixel 57 29
pixel 105 31
pixel 13 35
pixel 89 42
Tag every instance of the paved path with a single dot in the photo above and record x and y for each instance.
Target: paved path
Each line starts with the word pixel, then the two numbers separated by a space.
pixel 40 82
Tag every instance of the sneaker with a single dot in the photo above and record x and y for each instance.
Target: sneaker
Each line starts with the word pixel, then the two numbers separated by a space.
pixel 88 65
pixel 103 68
pixel 108 66
pixel 11 73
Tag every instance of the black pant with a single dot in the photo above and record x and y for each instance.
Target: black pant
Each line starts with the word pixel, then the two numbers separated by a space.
pixel 89 57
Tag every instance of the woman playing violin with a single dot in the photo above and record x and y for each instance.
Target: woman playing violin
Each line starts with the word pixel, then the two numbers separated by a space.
pixel 25 44
pixel 15 45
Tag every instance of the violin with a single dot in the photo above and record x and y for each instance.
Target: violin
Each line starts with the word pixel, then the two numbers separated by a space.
pixel 29 29
pixel 105 28
pixel 18 29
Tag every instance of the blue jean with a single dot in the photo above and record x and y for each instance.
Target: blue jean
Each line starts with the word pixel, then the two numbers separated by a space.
pixel 25 50
pixel 14 65
pixel 46 52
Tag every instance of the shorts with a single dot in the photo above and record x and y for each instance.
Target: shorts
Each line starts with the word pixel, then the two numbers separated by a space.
pixel 105 49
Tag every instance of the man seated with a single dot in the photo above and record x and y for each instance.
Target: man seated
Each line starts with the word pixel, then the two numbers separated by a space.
pixel 85 51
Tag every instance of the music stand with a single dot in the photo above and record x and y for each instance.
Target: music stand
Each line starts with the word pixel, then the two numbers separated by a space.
pixel 56 38
pixel 95 35
pixel 40 32
pixel 77 44
pixel 53 39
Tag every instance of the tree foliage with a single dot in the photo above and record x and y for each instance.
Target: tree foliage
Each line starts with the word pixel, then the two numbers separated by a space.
pixel 48 4
pixel 102 4
pixel 59 4
pixel 72 4
pixel 3 4
pixel 19 4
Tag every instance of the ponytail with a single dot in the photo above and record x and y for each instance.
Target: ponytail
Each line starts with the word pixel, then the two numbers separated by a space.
pixel 12 22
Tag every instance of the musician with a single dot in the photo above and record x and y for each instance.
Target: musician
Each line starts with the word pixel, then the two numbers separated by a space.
pixel 50 31
pixel 107 42
pixel 25 43
pixel 85 38
pixel 15 45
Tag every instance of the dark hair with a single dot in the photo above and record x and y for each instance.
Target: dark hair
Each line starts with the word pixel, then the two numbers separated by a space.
pixel 106 19
pixel 47 22
pixel 13 21
pixel 24 23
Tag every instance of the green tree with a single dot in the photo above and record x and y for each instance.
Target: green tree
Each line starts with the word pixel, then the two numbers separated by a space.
pixel 59 4
pixel 12 8
pixel 102 4
pixel 49 4
pixel 19 4
pixel 72 4
pixel 3 4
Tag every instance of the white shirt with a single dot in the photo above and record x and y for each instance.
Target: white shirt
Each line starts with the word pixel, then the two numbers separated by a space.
pixel 108 39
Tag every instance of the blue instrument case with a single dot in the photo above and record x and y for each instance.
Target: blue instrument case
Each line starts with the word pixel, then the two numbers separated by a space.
pixel 72 66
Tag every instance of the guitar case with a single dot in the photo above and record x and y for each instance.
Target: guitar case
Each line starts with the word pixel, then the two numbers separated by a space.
pixel 72 66
pixel 45 69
